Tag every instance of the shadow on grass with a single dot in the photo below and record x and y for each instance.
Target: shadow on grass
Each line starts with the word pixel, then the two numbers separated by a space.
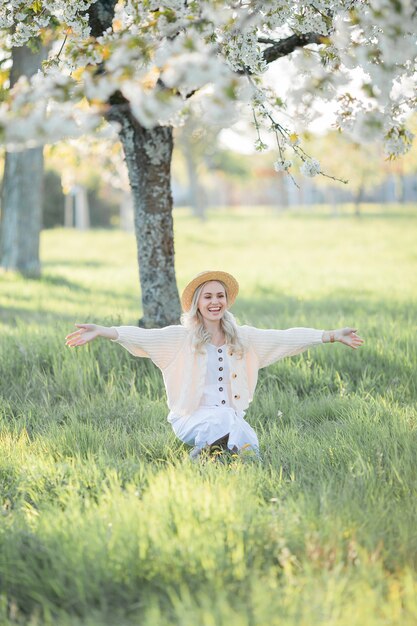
pixel 268 306
pixel 79 263
pixel 13 316
pixel 49 279
pixel 61 281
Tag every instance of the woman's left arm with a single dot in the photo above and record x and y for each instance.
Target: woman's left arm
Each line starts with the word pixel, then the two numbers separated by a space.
pixel 270 345
pixel 346 335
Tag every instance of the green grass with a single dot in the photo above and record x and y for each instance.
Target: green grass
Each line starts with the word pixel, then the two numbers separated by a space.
pixel 104 521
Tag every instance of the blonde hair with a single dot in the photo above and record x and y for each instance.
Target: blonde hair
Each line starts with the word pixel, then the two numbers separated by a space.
pixel 193 320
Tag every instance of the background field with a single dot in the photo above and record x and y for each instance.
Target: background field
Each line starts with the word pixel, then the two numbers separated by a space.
pixel 103 518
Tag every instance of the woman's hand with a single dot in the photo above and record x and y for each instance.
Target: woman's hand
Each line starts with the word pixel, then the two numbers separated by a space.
pixel 349 337
pixel 84 334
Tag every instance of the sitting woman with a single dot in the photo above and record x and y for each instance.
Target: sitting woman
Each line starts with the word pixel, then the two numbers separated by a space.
pixel 209 363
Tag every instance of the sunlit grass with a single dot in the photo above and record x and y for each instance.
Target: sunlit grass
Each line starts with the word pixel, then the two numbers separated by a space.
pixel 103 518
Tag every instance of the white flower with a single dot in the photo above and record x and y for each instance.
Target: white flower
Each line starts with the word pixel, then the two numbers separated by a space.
pixel 310 167
pixel 243 52
pixel 194 46
pixel 283 165
pixel 397 141
pixel 293 139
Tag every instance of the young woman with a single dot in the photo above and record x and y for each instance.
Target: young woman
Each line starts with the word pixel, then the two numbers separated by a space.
pixel 210 364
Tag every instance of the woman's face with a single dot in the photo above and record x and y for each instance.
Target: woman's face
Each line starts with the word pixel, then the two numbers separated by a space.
pixel 212 302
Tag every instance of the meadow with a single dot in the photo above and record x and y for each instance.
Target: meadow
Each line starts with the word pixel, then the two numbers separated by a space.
pixel 103 518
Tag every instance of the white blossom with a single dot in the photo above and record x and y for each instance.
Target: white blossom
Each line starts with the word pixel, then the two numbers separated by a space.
pixel 283 165
pixel 310 168
pixel 168 57
pixel 397 141
pixel 243 52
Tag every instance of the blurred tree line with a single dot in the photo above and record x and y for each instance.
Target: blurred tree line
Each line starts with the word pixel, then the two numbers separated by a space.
pixel 208 174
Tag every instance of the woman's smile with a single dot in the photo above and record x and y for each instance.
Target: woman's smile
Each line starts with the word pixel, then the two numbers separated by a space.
pixel 212 301
pixel 215 310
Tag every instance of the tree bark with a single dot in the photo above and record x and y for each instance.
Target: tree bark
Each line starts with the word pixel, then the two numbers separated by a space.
pixel 286 46
pixel 21 215
pixel 148 155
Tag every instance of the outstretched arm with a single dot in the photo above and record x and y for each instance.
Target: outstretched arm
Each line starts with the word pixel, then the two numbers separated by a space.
pixel 88 332
pixel 159 344
pixel 346 335
pixel 270 345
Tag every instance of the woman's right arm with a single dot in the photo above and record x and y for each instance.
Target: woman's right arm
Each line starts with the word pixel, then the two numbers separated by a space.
pixel 159 344
pixel 88 332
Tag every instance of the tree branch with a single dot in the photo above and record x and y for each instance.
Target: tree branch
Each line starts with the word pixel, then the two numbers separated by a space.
pixel 282 48
pixel 100 16
pixel 286 46
pixel 266 40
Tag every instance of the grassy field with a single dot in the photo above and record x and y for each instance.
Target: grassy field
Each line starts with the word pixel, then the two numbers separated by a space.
pixel 104 521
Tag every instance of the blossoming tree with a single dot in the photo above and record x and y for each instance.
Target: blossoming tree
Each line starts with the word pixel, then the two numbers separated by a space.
pixel 22 189
pixel 144 64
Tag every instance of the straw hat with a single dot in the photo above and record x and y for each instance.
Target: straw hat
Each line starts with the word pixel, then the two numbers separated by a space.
pixel 231 283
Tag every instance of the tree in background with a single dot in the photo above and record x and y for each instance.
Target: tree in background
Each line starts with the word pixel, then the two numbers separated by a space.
pixel 196 144
pixel 361 164
pixel 21 205
pixel 236 174
pixel 144 64
pixel 400 168
pixel 86 165
pixel 201 150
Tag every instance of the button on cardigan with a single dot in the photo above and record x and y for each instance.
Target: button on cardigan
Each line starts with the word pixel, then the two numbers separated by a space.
pixel 216 391
pixel 184 369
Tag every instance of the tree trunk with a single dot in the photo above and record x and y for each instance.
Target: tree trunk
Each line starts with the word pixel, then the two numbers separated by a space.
pixel 21 216
pixel 82 210
pixel 400 188
pixel 148 155
pixel 69 210
pixel 358 201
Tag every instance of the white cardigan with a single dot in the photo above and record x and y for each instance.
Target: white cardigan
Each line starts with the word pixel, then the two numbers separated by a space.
pixel 184 369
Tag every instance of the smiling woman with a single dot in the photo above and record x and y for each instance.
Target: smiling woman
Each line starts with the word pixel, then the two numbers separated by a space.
pixel 210 364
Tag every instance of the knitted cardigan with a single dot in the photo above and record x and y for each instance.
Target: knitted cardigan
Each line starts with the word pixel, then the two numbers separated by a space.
pixel 184 369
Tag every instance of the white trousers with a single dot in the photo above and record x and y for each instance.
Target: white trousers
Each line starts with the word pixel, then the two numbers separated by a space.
pixel 209 423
